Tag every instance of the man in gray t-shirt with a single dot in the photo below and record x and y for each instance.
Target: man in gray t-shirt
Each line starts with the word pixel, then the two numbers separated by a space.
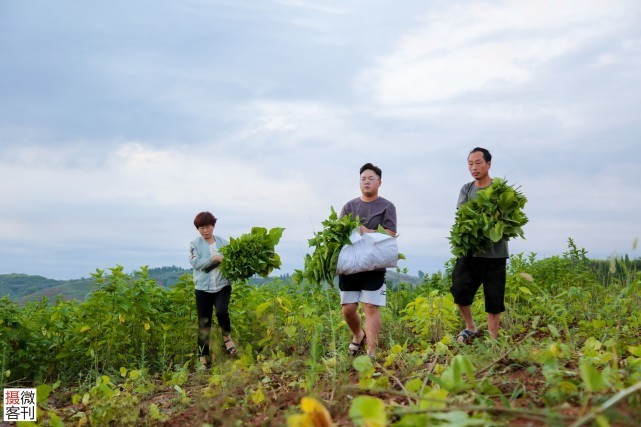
pixel 367 287
pixel 476 269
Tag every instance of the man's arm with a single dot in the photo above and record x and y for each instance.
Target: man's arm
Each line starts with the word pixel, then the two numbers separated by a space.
pixel 364 229
pixel 464 194
pixel 388 223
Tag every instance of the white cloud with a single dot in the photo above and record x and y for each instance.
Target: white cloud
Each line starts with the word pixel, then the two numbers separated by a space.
pixel 485 47
pixel 137 171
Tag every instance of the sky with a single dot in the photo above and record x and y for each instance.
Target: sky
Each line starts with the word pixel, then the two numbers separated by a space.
pixel 120 121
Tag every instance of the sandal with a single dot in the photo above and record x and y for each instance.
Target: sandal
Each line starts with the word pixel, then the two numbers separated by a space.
pixel 231 350
pixel 468 336
pixel 203 363
pixel 355 348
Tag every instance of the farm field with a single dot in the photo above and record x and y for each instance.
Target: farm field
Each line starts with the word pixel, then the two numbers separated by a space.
pixel 569 354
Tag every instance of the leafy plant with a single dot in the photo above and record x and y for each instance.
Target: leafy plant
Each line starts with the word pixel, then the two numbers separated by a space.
pixel 495 214
pixel 251 253
pixel 320 266
pixel 123 356
pixel 431 317
pixel 368 411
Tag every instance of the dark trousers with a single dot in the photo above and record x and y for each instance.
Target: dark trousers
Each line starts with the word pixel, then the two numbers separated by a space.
pixel 205 303
pixel 470 273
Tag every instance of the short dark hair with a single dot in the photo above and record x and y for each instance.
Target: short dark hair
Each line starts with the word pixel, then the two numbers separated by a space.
pixel 369 166
pixel 486 154
pixel 205 218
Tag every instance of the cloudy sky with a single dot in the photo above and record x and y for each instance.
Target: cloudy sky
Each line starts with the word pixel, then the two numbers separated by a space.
pixel 120 120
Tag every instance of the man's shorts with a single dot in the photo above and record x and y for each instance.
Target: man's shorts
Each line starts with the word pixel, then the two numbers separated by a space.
pixel 377 297
pixel 368 287
pixel 470 273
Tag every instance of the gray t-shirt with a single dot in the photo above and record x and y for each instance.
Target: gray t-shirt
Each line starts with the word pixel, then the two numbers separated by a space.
pixel 498 250
pixel 372 214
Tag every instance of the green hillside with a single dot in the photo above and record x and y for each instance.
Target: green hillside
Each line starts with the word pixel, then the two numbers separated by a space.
pixel 17 286
pixel 22 288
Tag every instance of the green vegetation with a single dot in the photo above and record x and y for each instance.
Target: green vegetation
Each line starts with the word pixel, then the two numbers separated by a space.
pixel 22 288
pixel 252 253
pixel 320 266
pixel 20 285
pixel 495 214
pixel 569 353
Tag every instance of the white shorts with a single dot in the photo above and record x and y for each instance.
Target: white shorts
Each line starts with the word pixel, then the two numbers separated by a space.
pixel 377 297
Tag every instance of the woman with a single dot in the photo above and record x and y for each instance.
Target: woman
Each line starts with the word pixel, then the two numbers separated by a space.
pixel 212 288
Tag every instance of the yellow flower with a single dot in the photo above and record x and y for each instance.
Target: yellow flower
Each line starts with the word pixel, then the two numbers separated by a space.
pixel 314 415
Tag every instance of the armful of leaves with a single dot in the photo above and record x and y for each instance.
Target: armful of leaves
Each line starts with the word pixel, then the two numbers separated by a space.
pixel 495 214
pixel 320 266
pixel 251 253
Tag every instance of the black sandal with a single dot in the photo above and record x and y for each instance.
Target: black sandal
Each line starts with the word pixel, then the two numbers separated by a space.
pixel 230 350
pixel 468 336
pixel 355 348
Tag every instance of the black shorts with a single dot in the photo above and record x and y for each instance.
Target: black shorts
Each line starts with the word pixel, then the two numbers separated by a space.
pixel 470 273
pixel 365 281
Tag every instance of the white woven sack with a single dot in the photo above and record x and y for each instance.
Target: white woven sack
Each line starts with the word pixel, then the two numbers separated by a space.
pixel 369 251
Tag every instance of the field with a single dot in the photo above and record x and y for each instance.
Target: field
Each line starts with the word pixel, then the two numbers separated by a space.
pixel 569 354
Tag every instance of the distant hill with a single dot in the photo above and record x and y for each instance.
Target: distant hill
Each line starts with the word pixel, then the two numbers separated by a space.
pixel 23 287
pixel 20 287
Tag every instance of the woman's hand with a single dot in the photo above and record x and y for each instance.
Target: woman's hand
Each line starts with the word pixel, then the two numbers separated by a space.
pixel 217 258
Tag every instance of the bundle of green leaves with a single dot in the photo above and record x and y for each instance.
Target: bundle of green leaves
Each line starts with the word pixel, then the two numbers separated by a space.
pixel 320 266
pixel 495 214
pixel 251 253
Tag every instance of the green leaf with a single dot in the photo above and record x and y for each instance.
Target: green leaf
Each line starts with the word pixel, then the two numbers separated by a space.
pixel 275 234
pixel 362 364
pixel 635 350
pixel 368 411
pixel 434 399
pixel 592 379
pixel 496 233
pixel 414 385
pixel 602 421
pixel 42 393
pixel 525 290
pixel 591 344
pixel 453 378
pixel 260 309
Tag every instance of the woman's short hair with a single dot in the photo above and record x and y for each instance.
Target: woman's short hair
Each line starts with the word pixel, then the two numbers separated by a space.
pixel 205 218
